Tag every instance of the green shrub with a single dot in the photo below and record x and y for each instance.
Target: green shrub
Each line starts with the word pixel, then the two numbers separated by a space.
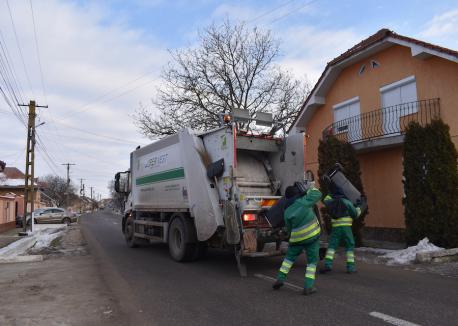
pixel 331 151
pixel 430 184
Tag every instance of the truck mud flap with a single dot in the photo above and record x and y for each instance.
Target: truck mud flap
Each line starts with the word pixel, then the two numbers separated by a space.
pixel 241 265
pixel 232 232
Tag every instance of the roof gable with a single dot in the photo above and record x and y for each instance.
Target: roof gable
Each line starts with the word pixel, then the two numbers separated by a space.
pixel 375 43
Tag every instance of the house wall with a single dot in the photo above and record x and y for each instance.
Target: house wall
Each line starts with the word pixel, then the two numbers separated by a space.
pixel 382 170
pixel 19 192
pixel 7 218
pixel 382 180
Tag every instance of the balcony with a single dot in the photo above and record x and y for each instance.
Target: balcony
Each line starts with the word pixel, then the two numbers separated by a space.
pixel 384 127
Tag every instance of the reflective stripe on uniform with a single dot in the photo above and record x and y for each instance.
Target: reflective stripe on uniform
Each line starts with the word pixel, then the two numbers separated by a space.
pixel 327 198
pixel 350 257
pixel 343 221
pixel 305 232
pixel 330 254
pixel 286 266
pixel 310 271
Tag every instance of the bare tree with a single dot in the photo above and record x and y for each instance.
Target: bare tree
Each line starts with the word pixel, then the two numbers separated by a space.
pixel 233 67
pixel 117 199
pixel 56 188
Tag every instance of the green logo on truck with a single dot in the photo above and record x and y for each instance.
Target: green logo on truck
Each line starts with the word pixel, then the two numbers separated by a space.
pixel 173 174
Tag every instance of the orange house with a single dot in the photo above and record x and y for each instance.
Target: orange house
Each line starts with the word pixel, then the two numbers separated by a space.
pixel 367 96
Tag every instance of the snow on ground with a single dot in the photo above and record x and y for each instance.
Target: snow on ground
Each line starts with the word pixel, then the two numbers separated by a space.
pixel 407 256
pixel 397 257
pixel 41 238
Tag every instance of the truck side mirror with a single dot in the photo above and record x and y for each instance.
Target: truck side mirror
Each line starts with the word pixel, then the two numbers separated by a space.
pixel 116 184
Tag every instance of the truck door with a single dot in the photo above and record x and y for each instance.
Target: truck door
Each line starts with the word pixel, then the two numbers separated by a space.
pixel 288 163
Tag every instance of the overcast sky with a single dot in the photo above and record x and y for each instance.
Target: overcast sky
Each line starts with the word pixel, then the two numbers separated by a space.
pixel 101 59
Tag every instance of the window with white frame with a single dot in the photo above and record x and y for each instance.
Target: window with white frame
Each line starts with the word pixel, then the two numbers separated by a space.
pixel 399 99
pixel 401 92
pixel 346 118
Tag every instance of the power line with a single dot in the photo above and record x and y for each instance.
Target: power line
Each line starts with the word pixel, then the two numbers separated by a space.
pixel 99 135
pixel 19 48
pixel 293 11
pixel 88 105
pixel 8 67
pixel 11 88
pixel 38 52
pixel 271 11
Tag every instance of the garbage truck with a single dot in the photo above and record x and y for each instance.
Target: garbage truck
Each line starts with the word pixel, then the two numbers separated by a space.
pixel 194 190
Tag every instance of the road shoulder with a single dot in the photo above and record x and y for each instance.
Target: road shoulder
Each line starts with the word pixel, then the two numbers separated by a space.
pixel 64 289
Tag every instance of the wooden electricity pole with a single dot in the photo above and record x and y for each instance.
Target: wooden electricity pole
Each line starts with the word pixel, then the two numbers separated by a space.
pixel 30 163
pixel 92 203
pixel 68 182
pixel 81 194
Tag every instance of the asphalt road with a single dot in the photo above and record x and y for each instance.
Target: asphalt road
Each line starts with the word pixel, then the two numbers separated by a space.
pixel 155 290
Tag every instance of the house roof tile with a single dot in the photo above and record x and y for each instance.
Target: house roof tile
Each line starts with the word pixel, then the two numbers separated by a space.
pixel 13 173
pixel 381 35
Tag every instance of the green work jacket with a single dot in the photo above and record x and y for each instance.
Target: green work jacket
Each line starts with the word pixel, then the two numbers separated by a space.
pixel 300 219
pixel 347 216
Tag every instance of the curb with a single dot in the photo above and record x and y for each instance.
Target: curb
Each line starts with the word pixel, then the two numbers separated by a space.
pixel 21 259
pixel 440 256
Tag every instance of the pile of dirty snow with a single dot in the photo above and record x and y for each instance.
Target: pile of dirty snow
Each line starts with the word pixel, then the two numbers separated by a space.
pixel 38 240
pixel 407 256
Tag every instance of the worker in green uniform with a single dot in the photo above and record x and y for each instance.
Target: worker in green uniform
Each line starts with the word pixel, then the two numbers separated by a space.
pixel 304 229
pixel 342 212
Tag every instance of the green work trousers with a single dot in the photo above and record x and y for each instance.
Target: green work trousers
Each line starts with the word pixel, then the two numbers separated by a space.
pixel 341 235
pixel 311 248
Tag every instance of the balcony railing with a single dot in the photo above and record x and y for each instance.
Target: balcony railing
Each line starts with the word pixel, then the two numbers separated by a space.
pixel 384 122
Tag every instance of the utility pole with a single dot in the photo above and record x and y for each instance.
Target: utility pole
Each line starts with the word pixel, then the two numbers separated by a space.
pixel 81 195
pixel 68 181
pixel 30 163
pixel 92 203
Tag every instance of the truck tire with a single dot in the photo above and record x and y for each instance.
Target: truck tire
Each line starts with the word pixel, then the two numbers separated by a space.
pixel 181 246
pixel 129 233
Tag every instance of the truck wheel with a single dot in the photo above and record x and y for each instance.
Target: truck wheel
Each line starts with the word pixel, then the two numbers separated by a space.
pixel 180 248
pixel 129 233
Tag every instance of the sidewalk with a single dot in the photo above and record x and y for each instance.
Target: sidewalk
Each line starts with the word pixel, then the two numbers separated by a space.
pixel 9 237
pixel 65 289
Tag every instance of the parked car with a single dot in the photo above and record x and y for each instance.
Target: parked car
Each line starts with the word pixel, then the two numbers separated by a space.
pixel 36 212
pixel 55 215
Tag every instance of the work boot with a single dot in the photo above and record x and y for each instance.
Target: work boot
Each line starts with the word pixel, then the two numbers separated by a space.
pixel 309 291
pixel 351 269
pixel 277 285
pixel 325 270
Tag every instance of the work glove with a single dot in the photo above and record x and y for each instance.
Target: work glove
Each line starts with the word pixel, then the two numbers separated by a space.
pixel 362 204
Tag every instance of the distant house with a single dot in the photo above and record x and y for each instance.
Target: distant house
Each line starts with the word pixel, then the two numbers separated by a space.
pixel 12 185
pixel 367 96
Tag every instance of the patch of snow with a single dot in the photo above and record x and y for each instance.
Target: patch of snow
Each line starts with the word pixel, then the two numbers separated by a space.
pixel 45 239
pixel 38 240
pixel 5 181
pixel 407 256
pixel 375 251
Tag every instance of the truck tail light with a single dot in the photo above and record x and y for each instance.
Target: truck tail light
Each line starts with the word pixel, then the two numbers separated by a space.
pixel 249 217
pixel 268 202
